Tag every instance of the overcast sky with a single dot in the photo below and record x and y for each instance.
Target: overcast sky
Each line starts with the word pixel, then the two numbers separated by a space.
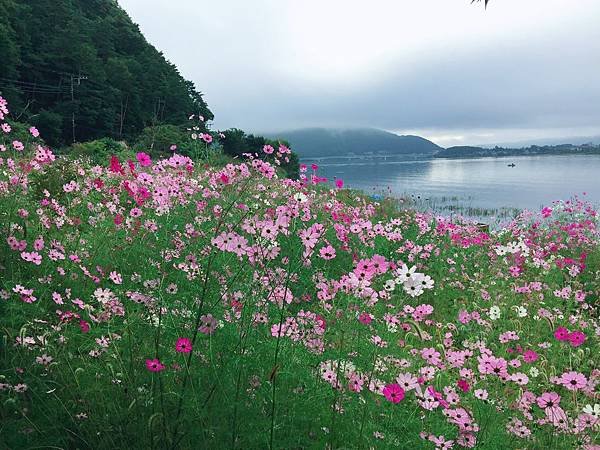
pixel 445 69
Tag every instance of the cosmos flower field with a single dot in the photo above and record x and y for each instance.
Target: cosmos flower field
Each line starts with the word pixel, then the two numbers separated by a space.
pixel 170 304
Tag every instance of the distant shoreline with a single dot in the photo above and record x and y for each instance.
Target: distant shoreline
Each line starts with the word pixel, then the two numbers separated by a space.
pixel 515 155
pixel 413 157
pixel 553 150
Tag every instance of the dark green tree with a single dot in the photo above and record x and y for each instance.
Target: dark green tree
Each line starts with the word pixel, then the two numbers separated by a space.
pixel 81 70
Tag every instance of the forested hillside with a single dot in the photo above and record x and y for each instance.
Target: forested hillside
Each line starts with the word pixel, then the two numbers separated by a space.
pixel 81 70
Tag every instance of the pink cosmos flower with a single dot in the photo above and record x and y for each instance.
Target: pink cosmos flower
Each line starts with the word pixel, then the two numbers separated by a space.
pixel 208 324
pixel 557 416
pixel 268 149
pixel 492 365
pixel 573 381
pixel 393 392
pixel 355 383
pixel 183 345
pixel 154 365
pixel 144 159
pixel 33 257
pixel 34 131
pixel 441 442
pixel 464 317
pixel 407 381
pixel 481 394
pixel 339 183
pixel 548 400
pixel 116 277
pixel 135 212
pixel 438 396
pixel 431 355
pixel 327 252
pixel 38 244
pixel 520 378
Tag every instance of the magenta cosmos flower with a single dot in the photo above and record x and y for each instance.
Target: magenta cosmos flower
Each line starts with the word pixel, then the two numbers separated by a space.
pixel 365 318
pixel 393 392
pixel 143 159
pixel 463 385
pixel 154 365
pixel 530 356
pixel 84 326
pixel 576 338
pixel 183 345
pixel 561 334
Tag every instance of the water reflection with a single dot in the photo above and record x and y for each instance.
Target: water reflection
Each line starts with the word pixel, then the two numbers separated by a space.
pixel 481 183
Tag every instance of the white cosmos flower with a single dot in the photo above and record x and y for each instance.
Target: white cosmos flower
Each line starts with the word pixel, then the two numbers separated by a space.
pixel 592 410
pixel 300 197
pixel 413 287
pixel 389 285
pixel 521 311
pixel 426 281
pixel 404 273
pixel 494 313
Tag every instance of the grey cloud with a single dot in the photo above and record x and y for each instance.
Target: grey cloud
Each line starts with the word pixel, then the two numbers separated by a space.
pixel 544 78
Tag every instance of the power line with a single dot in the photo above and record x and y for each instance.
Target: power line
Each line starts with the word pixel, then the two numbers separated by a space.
pixel 30 83
pixel 35 91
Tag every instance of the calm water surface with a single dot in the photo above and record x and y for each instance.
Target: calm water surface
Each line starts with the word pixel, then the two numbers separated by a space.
pixel 473 183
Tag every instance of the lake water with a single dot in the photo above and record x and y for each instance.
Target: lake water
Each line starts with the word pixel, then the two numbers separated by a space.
pixel 468 185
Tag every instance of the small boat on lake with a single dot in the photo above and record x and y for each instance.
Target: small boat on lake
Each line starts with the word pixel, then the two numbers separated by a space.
pixel 512 165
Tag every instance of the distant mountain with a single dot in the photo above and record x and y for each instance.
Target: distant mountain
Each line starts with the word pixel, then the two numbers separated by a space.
pixel 464 151
pixel 311 142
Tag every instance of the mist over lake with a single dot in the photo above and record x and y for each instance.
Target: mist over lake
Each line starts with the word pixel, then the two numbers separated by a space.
pixel 487 183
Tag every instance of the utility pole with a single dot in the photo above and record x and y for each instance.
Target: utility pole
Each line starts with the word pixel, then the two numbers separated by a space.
pixel 72 109
pixel 79 78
